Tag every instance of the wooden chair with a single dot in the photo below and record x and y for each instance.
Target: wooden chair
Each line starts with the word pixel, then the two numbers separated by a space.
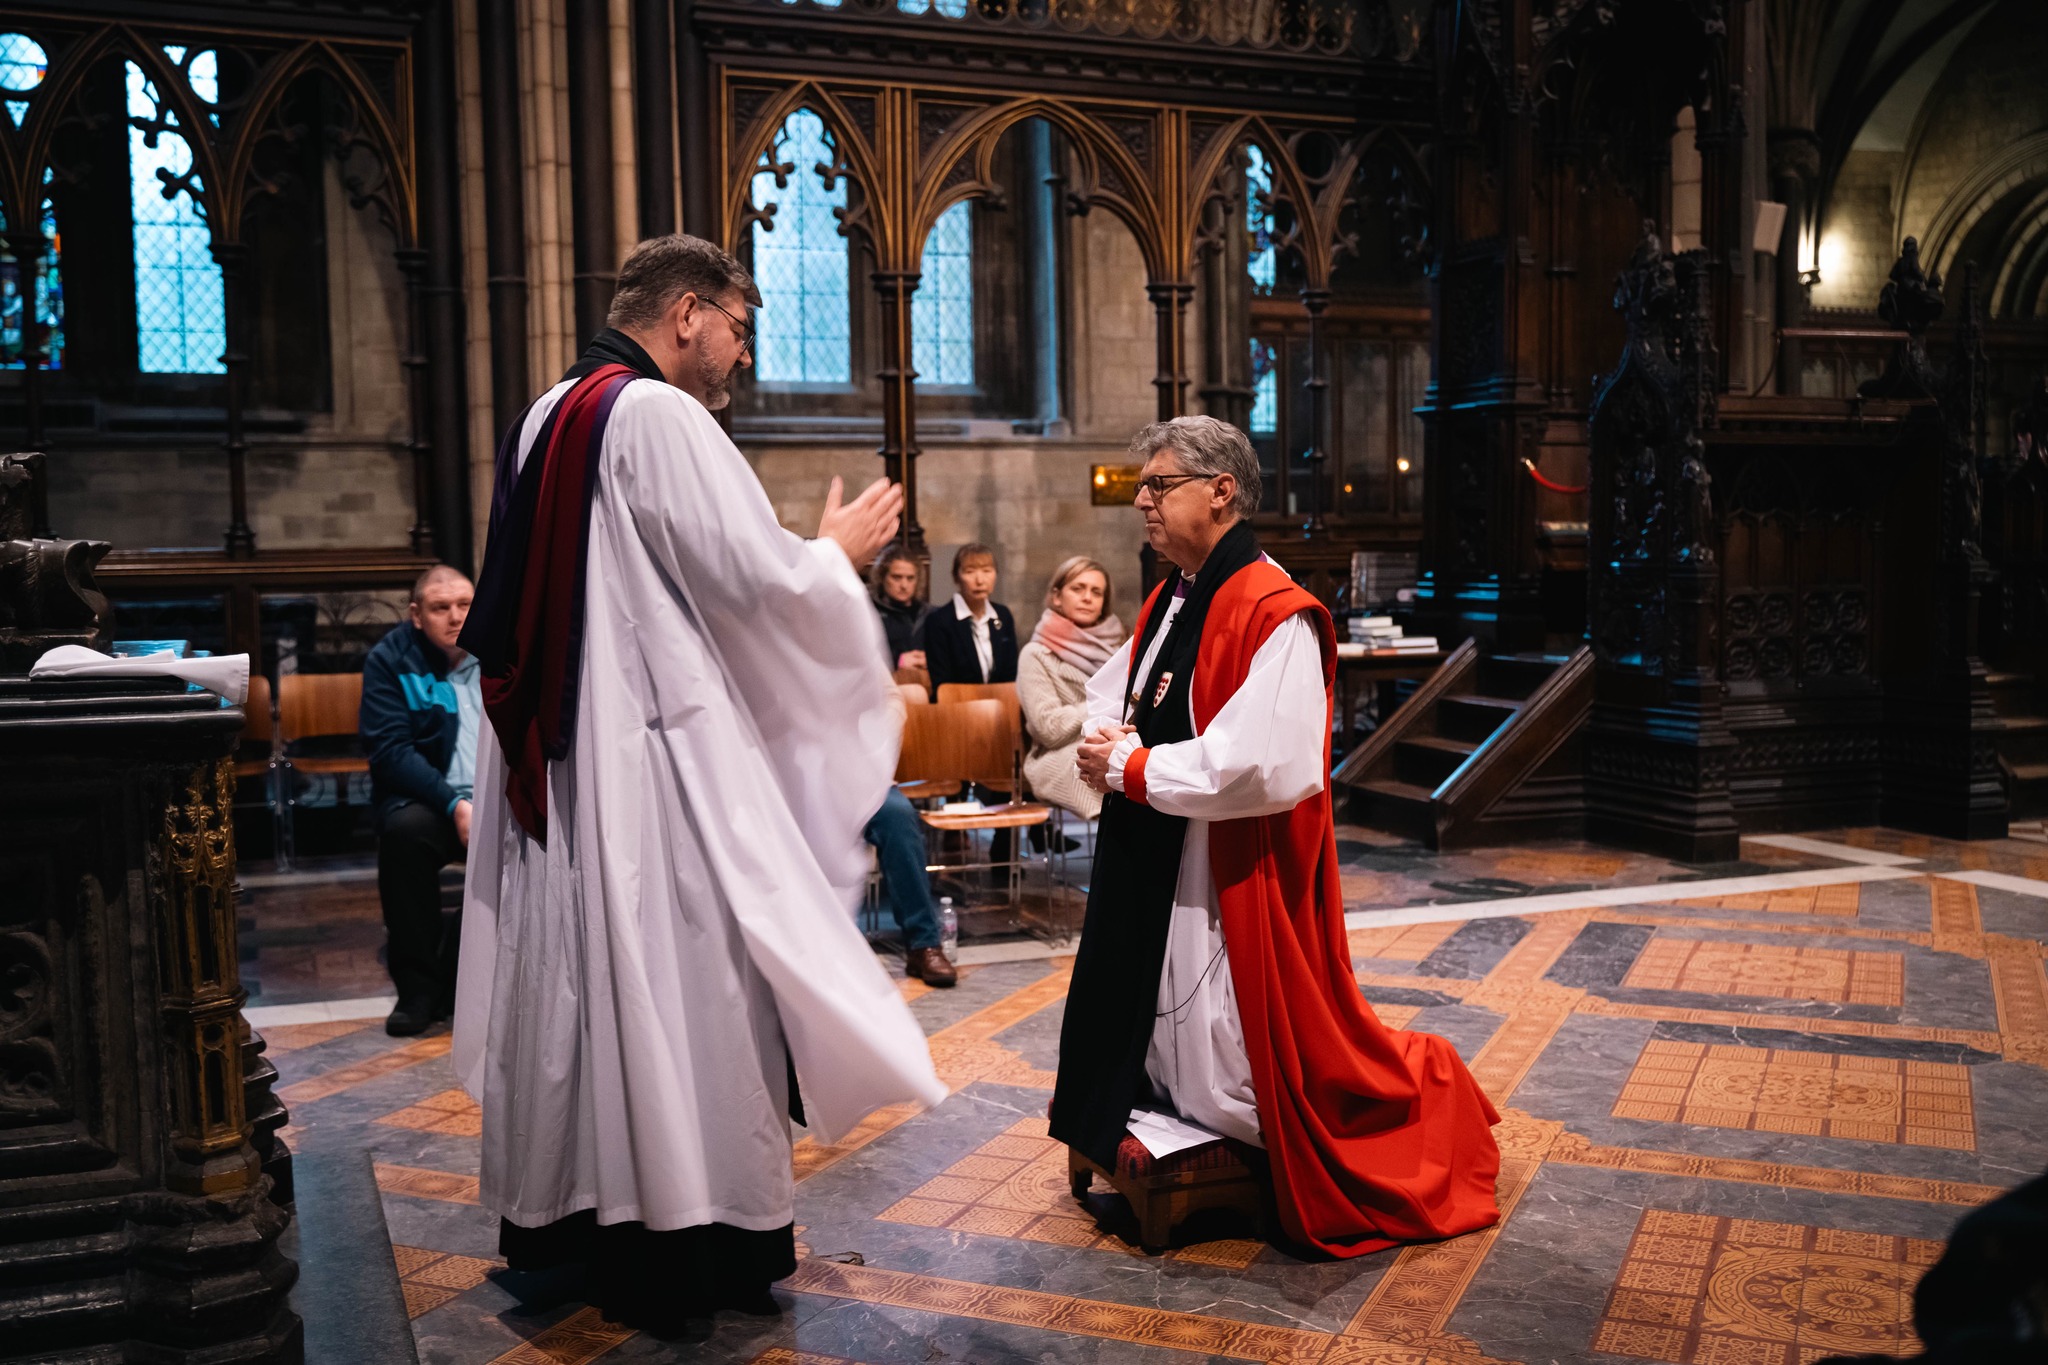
pixel 913 695
pixel 918 677
pixel 259 731
pixel 314 706
pixel 978 742
pixel 1007 694
pixel 922 770
pixel 1003 692
pixel 256 752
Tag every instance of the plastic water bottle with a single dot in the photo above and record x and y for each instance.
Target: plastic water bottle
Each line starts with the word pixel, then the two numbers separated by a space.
pixel 949 928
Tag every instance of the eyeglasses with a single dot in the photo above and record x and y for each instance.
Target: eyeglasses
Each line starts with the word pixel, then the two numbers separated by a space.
pixel 746 327
pixel 1158 484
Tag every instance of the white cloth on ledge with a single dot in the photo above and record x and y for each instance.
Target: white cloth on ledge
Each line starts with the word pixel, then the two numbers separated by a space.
pixel 226 674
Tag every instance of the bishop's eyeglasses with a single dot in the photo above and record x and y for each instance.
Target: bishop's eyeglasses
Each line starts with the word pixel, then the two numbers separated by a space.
pixel 1158 484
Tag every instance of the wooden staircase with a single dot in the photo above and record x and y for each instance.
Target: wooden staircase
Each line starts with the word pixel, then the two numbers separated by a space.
pixel 2022 742
pixel 1485 752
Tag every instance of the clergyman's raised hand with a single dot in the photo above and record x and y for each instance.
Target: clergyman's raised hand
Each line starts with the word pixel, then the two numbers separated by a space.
pixel 862 527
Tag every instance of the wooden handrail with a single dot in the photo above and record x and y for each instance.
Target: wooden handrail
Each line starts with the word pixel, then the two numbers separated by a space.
pixel 1381 741
pixel 1547 718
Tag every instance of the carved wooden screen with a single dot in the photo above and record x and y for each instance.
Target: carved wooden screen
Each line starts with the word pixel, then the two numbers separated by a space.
pixel 1799 573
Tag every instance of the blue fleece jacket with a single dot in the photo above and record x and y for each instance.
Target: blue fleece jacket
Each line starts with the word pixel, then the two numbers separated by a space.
pixel 409 721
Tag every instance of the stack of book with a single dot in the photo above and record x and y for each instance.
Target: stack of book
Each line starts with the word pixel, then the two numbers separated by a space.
pixel 1380 632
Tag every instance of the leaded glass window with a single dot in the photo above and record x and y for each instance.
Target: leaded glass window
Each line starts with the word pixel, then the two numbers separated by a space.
pixel 1258 219
pixel 49 295
pixel 180 315
pixel 942 310
pixel 1265 388
pixel 23 65
pixel 800 262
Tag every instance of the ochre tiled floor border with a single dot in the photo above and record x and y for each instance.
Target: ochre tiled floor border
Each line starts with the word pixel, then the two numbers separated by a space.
pixel 1058 1313
pixel 331 1083
pixel 581 1337
pixel 1574 1150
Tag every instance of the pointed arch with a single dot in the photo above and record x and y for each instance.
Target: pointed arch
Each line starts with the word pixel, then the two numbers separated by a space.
pixel 2011 171
pixel 1094 145
pixel 63 84
pixel 275 81
pixel 856 155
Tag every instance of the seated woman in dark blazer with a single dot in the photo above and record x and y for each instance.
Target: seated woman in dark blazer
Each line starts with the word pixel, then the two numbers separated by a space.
pixel 971 639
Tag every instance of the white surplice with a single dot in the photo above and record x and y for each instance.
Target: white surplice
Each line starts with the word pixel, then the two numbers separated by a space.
pixel 627 990
pixel 1262 753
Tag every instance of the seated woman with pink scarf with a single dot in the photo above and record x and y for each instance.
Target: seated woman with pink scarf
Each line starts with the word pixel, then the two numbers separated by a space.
pixel 1074 639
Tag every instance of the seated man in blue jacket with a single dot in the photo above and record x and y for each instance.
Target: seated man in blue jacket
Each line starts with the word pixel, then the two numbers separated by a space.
pixel 422 704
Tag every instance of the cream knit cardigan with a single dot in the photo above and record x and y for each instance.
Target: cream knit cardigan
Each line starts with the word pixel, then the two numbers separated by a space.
pixel 1054 695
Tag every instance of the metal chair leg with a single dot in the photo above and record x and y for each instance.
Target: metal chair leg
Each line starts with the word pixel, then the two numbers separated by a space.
pixel 287 812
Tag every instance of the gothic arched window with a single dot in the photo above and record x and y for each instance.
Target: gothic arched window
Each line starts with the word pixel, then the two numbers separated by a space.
pixel 1258 219
pixel 180 316
pixel 1265 419
pixel 49 297
pixel 22 68
pixel 800 262
pixel 942 310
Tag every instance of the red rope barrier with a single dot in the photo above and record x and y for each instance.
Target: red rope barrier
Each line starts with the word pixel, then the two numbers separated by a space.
pixel 1552 485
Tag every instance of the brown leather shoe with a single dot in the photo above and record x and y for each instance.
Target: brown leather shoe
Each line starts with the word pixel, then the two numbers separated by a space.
pixel 929 965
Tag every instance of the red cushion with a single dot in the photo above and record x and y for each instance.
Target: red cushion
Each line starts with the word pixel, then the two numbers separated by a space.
pixel 1135 1163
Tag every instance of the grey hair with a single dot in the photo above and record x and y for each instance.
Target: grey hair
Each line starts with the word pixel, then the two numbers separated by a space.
pixel 1206 447
pixel 662 269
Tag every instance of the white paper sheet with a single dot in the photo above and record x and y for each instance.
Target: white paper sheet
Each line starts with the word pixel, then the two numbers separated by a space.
pixel 1164 1134
pixel 227 674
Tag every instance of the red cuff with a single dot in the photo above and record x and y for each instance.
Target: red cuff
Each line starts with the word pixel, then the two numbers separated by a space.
pixel 1134 774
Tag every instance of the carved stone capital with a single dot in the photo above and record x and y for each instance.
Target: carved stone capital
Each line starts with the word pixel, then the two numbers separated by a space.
pixel 1794 155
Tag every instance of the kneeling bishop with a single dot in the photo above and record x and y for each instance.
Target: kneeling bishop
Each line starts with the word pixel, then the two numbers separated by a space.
pixel 1214 975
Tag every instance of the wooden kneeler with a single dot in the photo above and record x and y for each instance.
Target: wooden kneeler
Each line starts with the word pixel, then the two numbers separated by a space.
pixel 1165 1192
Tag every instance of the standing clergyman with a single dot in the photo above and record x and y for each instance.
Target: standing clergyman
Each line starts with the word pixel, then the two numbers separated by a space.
pixel 1214 977
pixel 690 727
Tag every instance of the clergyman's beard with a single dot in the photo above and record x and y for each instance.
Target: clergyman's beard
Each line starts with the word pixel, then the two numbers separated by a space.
pixel 717 385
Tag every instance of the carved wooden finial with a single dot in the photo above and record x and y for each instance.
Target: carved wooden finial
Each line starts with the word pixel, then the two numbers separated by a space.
pixel 47 594
pixel 1912 302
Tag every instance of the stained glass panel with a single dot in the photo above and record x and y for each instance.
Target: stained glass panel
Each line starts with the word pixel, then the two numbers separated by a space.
pixel 180 316
pixel 22 63
pixel 804 334
pixel 942 310
pixel 1258 219
pixel 1265 389
pixel 49 297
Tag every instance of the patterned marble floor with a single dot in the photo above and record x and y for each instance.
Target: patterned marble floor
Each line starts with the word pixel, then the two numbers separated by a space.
pixel 1737 1127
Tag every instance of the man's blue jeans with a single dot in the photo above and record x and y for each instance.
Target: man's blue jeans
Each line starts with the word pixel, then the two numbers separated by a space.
pixel 898 837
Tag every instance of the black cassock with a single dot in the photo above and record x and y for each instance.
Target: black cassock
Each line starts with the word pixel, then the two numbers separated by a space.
pixel 1113 1000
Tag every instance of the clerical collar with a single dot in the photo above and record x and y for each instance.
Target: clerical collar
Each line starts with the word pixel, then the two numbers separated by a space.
pixel 613 347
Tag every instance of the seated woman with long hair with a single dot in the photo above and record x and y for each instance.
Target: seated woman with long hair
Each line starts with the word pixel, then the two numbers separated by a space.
pixel 1074 639
pixel 893 583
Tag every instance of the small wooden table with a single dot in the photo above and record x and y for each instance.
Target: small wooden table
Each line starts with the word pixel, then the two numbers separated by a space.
pixel 1383 667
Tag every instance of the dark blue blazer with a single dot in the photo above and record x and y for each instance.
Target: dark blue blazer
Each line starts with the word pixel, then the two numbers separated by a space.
pixel 949 647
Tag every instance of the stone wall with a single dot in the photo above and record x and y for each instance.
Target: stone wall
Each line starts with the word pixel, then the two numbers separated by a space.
pixel 345 479
pixel 1989 103
pixel 1027 498
pixel 1859 241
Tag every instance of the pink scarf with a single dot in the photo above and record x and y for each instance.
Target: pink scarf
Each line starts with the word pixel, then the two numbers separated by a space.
pixel 1085 647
